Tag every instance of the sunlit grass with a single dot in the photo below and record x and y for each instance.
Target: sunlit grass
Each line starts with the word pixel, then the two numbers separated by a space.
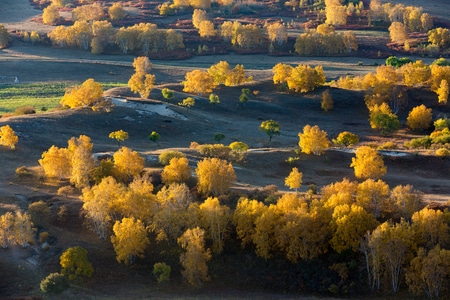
pixel 42 96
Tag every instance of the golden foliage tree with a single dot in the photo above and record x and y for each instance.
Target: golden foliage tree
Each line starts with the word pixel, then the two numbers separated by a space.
pixel 8 137
pixel 244 217
pixel 349 224
pixel 198 16
pixel 219 72
pixel 442 92
pixel 50 15
pixel 91 12
pixel 313 140
pixel 215 176
pixel 206 29
pixel 327 101
pixel 56 162
pixel 398 32
pixel 406 200
pixel 195 269
pixel 373 196
pixel 116 11
pixel 367 163
pixel 430 228
pixel 129 240
pixel 5 38
pixel 339 193
pixel 304 79
pixel 177 170
pixel 6 230
pixel 419 118
pixel 198 82
pixel 281 72
pixel 277 33
pixel 128 162
pixel 215 219
pixel 74 263
pixel 90 93
pixel 294 180
pixel 23 229
pixel 439 37
pixel 82 160
pixel 142 83
pixel 119 136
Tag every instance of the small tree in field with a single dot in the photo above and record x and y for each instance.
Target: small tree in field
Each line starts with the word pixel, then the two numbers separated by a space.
pixel 8 137
pixel 294 180
pixel 313 140
pixel 271 128
pixel 167 93
pixel 327 101
pixel 154 137
pixel 368 163
pixel 419 118
pixel 218 136
pixel 119 136
pixel 346 139
pixel 74 263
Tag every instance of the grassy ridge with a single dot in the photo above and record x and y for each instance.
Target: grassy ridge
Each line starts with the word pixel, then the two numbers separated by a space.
pixel 41 96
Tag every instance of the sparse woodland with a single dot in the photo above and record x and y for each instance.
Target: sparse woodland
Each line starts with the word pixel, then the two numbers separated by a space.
pixel 184 220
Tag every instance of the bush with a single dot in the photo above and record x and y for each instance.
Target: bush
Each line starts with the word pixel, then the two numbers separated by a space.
pixel 165 157
pixel 346 138
pixel 423 142
pixel 214 150
pixel 387 145
pixel 25 110
pixel 443 152
pixel 55 283
pixel 65 190
pixel 43 237
pixel 39 213
pixel 23 172
pixel 161 271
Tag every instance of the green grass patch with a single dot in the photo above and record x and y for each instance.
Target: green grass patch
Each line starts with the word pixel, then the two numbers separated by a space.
pixel 42 96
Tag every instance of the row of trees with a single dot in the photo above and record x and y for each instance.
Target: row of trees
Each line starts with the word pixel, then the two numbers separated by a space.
pixel 97 35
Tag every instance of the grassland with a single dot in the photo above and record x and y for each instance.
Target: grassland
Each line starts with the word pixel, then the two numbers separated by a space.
pixel 42 96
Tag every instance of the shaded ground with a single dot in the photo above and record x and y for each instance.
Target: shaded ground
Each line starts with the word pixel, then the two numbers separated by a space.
pixel 265 164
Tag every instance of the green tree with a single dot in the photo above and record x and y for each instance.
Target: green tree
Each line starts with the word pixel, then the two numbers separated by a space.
pixel 154 137
pixel 218 136
pixel 119 136
pixel 167 93
pixel 271 128
pixel 161 271
pixel 75 264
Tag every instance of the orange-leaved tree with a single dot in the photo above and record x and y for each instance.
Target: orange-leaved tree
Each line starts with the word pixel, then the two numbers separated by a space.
pixel 367 163
pixel 8 137
pixel 215 176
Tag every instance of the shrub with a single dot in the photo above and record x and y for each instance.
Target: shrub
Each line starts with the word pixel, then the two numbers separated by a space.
pixel 55 283
pixel 346 138
pixel 165 157
pixel 23 172
pixel 443 152
pixel 43 236
pixel 387 145
pixel 423 142
pixel 167 94
pixel 66 190
pixel 25 110
pixel 62 214
pixel 161 271
pixel 441 124
pixel 39 213
pixel 214 150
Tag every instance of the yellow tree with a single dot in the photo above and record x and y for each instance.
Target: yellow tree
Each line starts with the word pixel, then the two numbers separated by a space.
pixel 277 33
pixel 349 223
pixel 91 12
pixel 215 176
pixel 398 32
pixel 206 29
pixel 367 163
pixel 8 137
pixel 419 118
pixel 373 196
pixel 198 82
pixel 138 200
pixel 23 229
pixel 313 140
pixel 215 219
pixel 88 94
pixel 195 257
pixel 128 162
pixel 129 240
pixel 142 64
pixel 142 83
pixel 442 92
pixel 177 170
pixel 100 203
pixel 219 72
pixel 56 162
pixel 429 272
pixel 119 136
pixel 50 15
pixel 116 11
pixel 339 193
pixel 198 16
pixel 82 160
pixel 74 263
pixel 336 14
pixel 430 228
pixel 294 180
pixel 304 79
pixel 5 38
pixel 406 200
pixel 439 37
pixel 281 72
pixel 6 230
pixel 244 217
pixel 236 76
pixel 327 101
